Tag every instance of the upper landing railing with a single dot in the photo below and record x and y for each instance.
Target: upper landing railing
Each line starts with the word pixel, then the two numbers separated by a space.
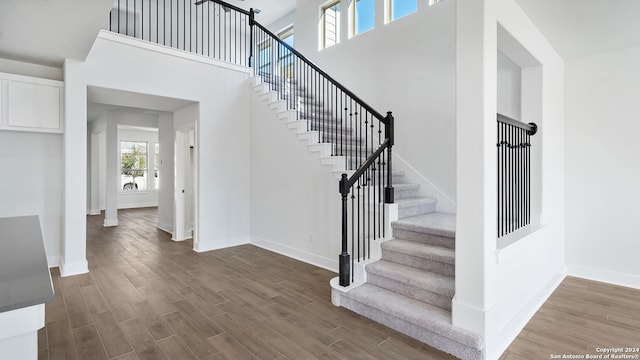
pixel 213 29
pixel 355 132
pixel 514 174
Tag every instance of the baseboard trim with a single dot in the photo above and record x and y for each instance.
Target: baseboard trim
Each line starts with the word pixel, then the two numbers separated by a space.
pixel 53 261
pixel 606 276
pixel 519 320
pixel 319 261
pixel 164 227
pixel 138 205
pixel 220 244
pixel 110 222
pixel 94 212
pixel 70 269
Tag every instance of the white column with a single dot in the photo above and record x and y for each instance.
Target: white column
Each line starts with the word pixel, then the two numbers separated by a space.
pixel 113 174
pixel 94 205
pixel 476 164
pixel 73 258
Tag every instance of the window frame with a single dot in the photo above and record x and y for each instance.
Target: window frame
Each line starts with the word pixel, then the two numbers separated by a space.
pixel 388 7
pixel 323 22
pixel 145 171
pixel 353 18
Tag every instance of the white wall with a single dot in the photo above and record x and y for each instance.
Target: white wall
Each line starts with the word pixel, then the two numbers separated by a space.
pixel 509 83
pixel 498 290
pixel 165 172
pixel 131 65
pixel 408 67
pixel 603 171
pixel 30 184
pixel 295 203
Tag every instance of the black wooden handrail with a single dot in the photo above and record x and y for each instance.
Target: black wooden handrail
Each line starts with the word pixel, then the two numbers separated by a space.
pixel 233 7
pixel 347 183
pixel 530 128
pixel 321 72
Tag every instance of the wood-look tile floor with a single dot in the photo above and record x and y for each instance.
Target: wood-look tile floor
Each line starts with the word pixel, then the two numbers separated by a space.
pixel 147 297
pixel 580 317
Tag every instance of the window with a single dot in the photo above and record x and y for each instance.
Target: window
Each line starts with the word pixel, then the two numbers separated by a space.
pixel 330 24
pixel 157 162
pixel 285 56
pixel 264 58
pixel 399 8
pixel 362 16
pixel 133 165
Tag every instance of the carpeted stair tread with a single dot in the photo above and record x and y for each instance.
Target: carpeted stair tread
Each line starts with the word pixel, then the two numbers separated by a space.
pixel 435 283
pixel 441 224
pixel 415 201
pixel 424 251
pixel 401 187
pixel 426 316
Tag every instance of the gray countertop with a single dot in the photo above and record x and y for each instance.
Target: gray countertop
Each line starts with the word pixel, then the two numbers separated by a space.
pixel 25 279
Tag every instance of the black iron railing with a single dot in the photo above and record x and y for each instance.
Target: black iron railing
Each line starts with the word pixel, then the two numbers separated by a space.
pixel 357 134
pixel 213 29
pixel 514 174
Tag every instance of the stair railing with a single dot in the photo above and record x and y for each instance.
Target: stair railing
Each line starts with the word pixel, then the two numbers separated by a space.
pixel 514 174
pixel 363 137
pixel 358 137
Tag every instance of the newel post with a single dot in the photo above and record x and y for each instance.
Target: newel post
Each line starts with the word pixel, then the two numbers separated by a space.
pixel 251 24
pixel 389 134
pixel 344 268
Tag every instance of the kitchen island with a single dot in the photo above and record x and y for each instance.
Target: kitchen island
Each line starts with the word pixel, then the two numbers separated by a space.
pixel 25 286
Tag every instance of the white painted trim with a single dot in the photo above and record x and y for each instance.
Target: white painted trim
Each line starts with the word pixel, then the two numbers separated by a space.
pixel 606 276
pixel 110 222
pixel 94 212
pixel 313 259
pixel 445 203
pixel 519 320
pixel 138 205
pixel 77 268
pixel 228 242
pixel 164 227
pixel 53 261
pixel 186 236
pixel 131 41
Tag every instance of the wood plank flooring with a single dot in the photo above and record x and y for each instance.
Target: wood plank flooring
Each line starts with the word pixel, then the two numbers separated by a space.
pixel 147 297
pixel 580 317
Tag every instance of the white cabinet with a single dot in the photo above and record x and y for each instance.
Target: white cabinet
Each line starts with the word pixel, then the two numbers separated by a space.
pixel 31 104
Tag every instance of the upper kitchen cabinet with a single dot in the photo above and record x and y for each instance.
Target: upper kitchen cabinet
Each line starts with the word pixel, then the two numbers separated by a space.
pixel 31 104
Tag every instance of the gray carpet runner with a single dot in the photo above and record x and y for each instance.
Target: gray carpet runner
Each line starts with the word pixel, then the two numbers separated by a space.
pixel 410 289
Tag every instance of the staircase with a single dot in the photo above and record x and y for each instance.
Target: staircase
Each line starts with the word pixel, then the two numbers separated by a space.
pixel 411 287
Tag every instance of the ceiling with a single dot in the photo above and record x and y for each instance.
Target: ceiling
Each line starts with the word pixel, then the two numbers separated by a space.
pixel 47 31
pixel 577 28
pixel 100 100
pixel 270 10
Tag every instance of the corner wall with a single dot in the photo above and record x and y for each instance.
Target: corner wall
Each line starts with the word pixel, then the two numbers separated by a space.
pixel 603 172
pixel 498 290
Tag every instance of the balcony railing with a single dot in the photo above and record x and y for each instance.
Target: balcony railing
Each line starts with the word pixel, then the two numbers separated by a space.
pixel 514 174
pixel 209 29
